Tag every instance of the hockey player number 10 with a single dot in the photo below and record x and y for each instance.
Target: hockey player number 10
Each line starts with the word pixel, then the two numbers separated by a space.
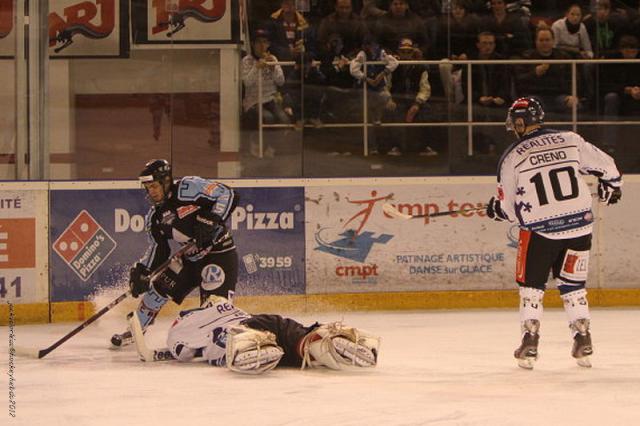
pixel 554 178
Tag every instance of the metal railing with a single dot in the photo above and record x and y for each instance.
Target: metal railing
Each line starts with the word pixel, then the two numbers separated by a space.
pixel 469 123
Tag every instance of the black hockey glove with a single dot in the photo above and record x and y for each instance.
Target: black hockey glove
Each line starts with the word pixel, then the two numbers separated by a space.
pixel 608 193
pixel 207 228
pixel 494 210
pixel 139 279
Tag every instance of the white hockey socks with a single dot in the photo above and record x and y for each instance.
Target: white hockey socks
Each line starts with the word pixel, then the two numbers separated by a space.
pixel 531 307
pixel 577 308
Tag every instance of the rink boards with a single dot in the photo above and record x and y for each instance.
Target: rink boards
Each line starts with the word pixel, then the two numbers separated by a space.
pixel 303 244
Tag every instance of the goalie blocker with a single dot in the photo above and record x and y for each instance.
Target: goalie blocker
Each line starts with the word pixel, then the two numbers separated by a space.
pixel 226 336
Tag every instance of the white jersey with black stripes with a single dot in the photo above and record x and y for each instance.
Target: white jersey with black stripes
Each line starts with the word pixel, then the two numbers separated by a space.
pixel 541 186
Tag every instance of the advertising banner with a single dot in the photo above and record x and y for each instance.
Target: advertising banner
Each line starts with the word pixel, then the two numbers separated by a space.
pixel 94 28
pixel 7 29
pixel 353 246
pixel 268 227
pixel 97 234
pixel 185 21
pixel 23 218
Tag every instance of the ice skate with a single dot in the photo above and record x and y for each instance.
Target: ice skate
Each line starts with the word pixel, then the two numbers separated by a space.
pixel 582 348
pixel 527 353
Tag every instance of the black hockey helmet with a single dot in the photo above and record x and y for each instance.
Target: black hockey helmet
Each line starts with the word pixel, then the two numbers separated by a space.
pixel 157 171
pixel 529 109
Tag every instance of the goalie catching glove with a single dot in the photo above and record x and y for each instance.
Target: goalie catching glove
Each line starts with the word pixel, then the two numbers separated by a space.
pixel 608 193
pixel 139 279
pixel 207 229
pixel 494 210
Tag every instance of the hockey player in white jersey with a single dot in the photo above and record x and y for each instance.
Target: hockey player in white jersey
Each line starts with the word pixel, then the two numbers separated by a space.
pixel 540 187
pixel 226 336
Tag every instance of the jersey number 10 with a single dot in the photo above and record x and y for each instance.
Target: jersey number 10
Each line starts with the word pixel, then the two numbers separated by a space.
pixel 554 178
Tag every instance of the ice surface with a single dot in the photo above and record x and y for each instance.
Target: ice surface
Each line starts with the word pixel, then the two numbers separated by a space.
pixel 436 368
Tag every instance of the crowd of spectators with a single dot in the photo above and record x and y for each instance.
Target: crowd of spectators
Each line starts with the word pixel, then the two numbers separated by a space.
pixel 329 41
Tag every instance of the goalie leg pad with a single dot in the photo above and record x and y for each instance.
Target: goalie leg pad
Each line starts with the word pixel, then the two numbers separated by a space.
pixel 337 346
pixel 252 351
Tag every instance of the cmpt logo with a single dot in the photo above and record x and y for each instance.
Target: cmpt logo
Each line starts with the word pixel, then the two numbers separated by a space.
pixel 6 17
pixel 82 18
pixel 170 14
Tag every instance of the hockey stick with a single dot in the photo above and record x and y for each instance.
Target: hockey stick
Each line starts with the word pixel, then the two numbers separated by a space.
pixel 145 353
pixel 392 211
pixel 41 353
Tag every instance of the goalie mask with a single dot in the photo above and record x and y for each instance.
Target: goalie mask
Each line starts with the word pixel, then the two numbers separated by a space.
pixel 157 180
pixel 523 113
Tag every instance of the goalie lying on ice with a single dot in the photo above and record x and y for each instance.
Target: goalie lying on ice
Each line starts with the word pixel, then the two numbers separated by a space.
pixel 224 335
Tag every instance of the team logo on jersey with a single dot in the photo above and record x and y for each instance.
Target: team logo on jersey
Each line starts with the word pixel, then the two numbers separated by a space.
pixel 174 14
pixel 90 19
pixel 212 277
pixel 185 211
pixel 84 245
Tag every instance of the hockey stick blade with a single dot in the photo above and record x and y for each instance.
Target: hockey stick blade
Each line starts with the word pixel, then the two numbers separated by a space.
pixel 392 211
pixel 145 353
pixel 39 354
pixel 29 352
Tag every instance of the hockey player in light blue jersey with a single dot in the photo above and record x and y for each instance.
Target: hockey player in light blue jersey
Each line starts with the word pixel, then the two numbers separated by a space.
pixel 188 209
pixel 540 187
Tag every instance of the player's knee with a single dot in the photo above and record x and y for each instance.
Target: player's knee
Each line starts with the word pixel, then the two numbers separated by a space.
pixel 337 346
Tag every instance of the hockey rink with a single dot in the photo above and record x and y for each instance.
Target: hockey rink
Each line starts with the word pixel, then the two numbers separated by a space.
pixel 435 368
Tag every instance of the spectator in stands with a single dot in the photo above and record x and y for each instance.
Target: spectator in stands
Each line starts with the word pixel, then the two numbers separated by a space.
pixel 620 85
pixel 571 35
pixel 455 40
pixel 410 91
pixel 347 24
pixel 375 80
pixel 550 83
pixel 490 89
pixel 512 35
pixel 254 65
pixel 291 41
pixel 337 100
pixel 603 28
pixel 398 23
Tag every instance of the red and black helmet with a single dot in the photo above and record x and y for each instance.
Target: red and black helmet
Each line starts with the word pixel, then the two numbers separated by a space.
pixel 529 109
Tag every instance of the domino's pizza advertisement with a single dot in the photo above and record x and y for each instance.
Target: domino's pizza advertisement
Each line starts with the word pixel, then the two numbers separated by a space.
pixel 268 227
pixel 354 246
pixel 96 235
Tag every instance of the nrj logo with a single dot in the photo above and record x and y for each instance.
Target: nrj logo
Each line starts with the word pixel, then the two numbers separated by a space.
pixel 6 17
pixel 174 13
pixel 352 243
pixel 82 18
pixel 84 245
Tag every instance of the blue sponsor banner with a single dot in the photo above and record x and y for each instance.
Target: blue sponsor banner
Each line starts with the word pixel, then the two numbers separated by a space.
pixel 268 227
pixel 98 234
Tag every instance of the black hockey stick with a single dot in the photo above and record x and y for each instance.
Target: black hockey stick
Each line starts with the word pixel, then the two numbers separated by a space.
pixel 392 211
pixel 41 353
